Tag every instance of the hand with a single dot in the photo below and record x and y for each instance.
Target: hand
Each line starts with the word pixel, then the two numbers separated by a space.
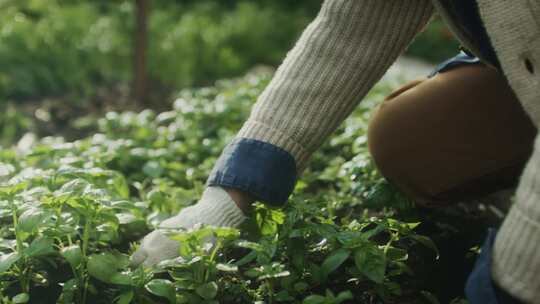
pixel 215 208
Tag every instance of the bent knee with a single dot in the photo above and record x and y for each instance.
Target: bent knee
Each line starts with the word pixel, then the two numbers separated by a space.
pixel 432 144
pixel 389 131
pixel 388 145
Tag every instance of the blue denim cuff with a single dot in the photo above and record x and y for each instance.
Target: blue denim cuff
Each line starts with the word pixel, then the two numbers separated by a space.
pixel 461 59
pixel 263 170
pixel 480 288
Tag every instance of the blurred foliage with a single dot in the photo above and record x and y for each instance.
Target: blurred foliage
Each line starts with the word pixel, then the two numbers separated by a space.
pixel 435 44
pixel 47 48
pixel 55 47
pixel 70 47
pixel 206 43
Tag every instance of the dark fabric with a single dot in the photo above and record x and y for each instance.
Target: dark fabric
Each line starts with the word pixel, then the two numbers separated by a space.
pixel 461 59
pixel 480 288
pixel 467 16
pixel 263 170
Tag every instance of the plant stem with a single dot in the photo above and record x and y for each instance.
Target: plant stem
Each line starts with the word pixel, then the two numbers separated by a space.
pixel 24 281
pixel 270 287
pixel 214 252
pixel 16 229
pixel 212 258
pixel 393 237
pixel 85 240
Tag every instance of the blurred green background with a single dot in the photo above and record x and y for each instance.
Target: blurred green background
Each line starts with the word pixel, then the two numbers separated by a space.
pixel 60 59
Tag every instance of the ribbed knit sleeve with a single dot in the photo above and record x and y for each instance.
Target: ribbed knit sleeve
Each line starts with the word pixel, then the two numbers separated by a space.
pixel 516 254
pixel 336 61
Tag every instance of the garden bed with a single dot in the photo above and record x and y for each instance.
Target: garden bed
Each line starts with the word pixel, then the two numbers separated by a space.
pixel 71 213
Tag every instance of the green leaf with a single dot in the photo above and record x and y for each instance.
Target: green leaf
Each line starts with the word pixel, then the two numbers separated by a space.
pixel 7 191
pixel 227 267
pixel 333 261
pixel 380 195
pixel 301 286
pixel 396 254
pixel 121 279
pixel 314 299
pixel 316 272
pixel 157 197
pixel 431 298
pixel 268 221
pixel 253 272
pixel 102 266
pixel 248 258
pixel 153 169
pixel 226 233
pixel 105 267
pixel 277 216
pixel 283 296
pixel 371 261
pixel 125 298
pixel 344 296
pixel 275 275
pixel 68 292
pixel 121 186
pixel 21 298
pixel 207 291
pixel 7 260
pixel 162 288
pixel 353 239
pixel 73 187
pixel 39 247
pixel 250 245
pixel 31 220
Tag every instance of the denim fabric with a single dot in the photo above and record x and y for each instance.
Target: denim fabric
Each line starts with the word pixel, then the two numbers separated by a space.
pixel 480 288
pixel 261 169
pixel 467 17
pixel 460 60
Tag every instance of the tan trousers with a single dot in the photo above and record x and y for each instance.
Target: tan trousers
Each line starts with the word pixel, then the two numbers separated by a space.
pixel 458 135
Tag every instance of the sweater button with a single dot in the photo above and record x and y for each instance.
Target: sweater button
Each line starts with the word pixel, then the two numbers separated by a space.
pixel 529 65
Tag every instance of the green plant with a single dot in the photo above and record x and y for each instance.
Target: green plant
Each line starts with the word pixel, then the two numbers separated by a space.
pixel 72 212
pixel 329 298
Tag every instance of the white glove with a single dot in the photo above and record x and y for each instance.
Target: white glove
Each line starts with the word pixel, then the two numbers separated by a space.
pixel 215 208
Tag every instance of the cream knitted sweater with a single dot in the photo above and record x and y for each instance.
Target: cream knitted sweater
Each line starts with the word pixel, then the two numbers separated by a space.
pixel 343 53
pixel 514 29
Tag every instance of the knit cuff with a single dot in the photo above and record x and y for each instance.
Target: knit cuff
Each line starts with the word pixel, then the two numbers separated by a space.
pixel 260 132
pixel 263 170
pixel 516 263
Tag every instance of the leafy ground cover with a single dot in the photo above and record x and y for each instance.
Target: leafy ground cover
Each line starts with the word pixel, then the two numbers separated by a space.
pixel 72 212
pixel 61 58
